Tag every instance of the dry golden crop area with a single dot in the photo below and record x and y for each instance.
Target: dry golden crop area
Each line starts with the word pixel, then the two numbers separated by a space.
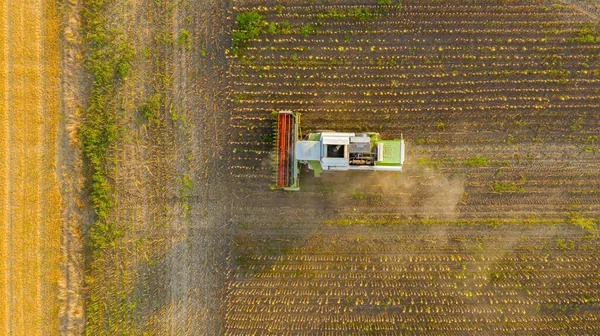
pixel 30 225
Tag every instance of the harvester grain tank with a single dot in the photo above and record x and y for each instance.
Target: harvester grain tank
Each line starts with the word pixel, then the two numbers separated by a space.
pixel 330 151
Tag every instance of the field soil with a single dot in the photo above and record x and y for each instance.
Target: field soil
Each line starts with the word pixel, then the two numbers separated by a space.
pixel 30 202
pixel 492 227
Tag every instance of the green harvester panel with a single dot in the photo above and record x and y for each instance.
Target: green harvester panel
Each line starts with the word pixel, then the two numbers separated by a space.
pixel 391 153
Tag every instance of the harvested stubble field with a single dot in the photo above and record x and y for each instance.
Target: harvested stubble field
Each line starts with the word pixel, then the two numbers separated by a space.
pixel 29 195
pixel 491 228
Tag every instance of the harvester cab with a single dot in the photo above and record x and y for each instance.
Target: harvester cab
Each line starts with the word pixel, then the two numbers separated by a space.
pixel 329 151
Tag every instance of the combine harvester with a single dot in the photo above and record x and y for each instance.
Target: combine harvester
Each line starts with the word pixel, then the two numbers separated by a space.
pixel 328 150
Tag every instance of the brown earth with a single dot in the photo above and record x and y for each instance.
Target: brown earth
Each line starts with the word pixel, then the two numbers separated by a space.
pixel 498 198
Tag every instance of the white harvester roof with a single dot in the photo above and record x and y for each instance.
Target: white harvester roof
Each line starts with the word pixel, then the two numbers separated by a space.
pixel 308 150
pixel 336 138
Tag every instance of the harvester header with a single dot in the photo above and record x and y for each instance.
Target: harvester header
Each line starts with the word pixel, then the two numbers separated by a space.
pixel 287 137
pixel 330 151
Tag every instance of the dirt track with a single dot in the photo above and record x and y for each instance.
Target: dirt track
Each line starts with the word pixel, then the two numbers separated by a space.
pixel 30 201
pixel 165 273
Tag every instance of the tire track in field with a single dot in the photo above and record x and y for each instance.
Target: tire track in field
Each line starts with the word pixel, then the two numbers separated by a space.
pixel 71 309
pixel 586 9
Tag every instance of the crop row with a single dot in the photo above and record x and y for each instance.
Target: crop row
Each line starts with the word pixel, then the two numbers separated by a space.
pixel 451 9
